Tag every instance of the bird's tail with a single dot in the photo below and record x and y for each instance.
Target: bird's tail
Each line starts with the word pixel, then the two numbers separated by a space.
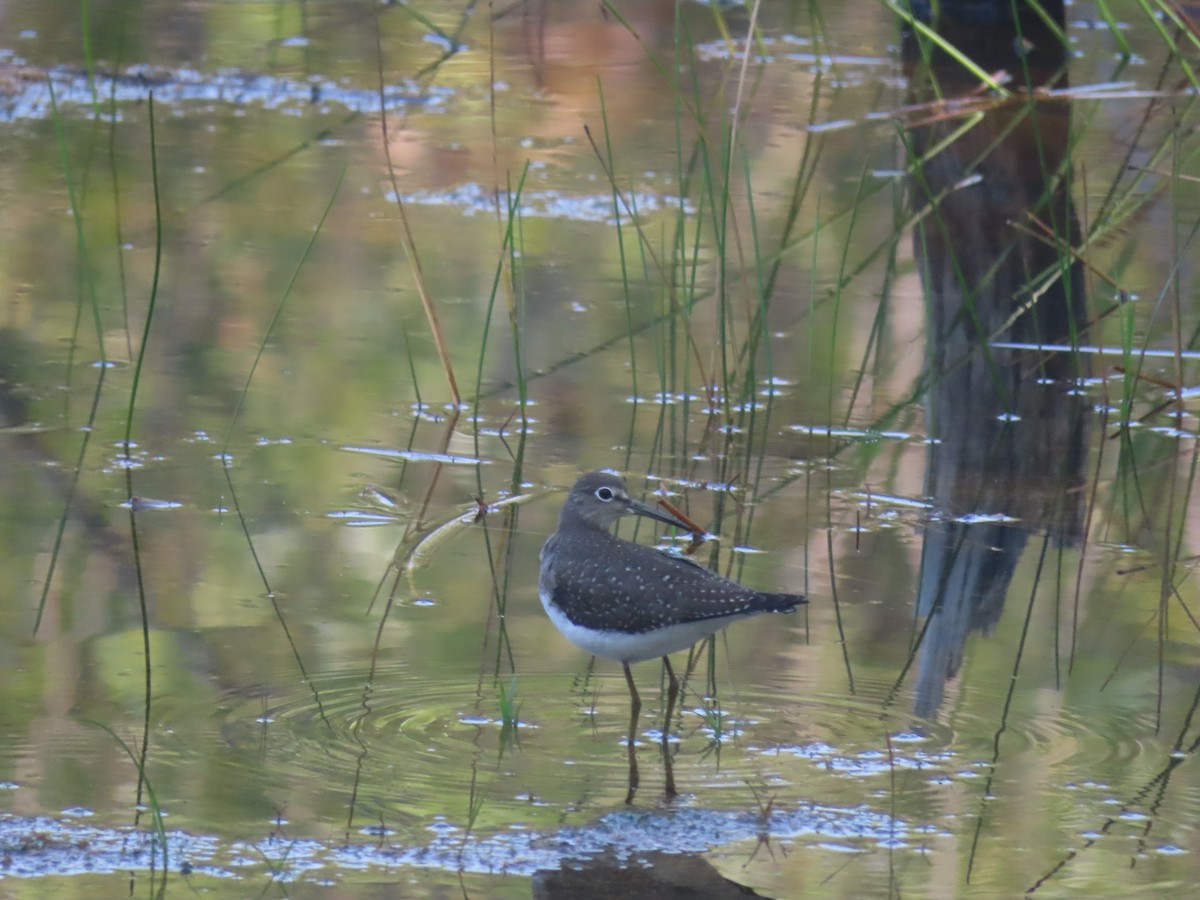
pixel 781 602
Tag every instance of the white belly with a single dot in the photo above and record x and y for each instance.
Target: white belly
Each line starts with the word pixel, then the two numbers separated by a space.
pixel 622 647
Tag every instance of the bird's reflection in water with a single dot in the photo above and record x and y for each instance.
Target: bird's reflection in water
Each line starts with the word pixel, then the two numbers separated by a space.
pixel 647 876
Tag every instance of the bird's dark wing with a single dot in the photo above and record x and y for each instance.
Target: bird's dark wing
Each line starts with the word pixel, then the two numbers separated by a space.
pixel 626 586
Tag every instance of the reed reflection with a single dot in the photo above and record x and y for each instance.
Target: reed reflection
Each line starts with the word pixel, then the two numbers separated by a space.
pixel 996 228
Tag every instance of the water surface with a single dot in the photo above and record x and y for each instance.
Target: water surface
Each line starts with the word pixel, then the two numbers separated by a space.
pixel 840 348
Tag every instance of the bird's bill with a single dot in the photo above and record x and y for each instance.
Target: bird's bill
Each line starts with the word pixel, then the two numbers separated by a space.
pixel 637 508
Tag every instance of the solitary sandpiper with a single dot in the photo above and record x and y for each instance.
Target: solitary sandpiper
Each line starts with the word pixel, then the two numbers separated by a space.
pixel 627 602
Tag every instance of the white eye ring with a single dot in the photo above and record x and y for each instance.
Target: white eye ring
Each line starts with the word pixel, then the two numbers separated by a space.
pixel 604 494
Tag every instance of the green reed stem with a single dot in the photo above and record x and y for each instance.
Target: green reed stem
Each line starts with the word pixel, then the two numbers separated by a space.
pixel 143 607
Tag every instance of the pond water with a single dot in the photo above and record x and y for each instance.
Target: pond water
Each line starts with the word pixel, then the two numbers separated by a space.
pixel 312 313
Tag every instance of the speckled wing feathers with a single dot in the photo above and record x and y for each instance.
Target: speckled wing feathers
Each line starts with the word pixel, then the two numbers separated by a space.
pixel 604 583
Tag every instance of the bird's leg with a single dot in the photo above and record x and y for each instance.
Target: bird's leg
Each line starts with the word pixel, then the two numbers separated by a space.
pixel 672 696
pixel 672 691
pixel 635 708
pixel 635 702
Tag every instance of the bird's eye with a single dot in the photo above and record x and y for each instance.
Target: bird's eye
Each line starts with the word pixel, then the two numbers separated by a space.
pixel 604 494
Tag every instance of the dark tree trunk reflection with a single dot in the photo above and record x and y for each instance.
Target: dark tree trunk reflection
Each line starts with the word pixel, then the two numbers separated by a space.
pixel 996 228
